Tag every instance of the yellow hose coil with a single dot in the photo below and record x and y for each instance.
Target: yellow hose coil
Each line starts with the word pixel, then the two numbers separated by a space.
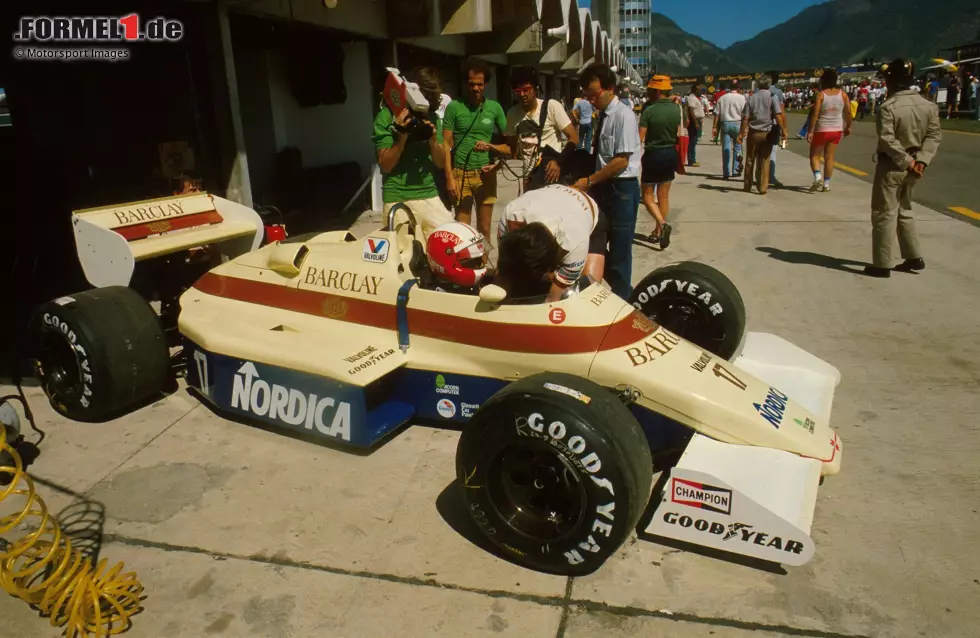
pixel 42 569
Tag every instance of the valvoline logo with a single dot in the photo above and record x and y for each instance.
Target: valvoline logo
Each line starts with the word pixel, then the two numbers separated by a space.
pixel 376 250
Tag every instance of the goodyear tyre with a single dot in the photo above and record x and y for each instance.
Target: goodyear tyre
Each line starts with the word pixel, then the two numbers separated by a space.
pixel 696 302
pixel 556 472
pixel 99 353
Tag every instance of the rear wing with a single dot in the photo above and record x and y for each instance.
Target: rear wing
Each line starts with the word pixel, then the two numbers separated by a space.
pixel 110 240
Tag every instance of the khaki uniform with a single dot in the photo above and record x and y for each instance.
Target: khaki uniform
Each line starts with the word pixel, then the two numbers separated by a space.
pixel 908 132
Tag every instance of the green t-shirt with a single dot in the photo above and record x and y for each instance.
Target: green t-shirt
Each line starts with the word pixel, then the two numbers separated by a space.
pixel 414 175
pixel 459 116
pixel 661 120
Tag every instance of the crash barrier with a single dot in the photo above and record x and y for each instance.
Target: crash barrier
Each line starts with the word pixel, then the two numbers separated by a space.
pixel 748 500
pixel 44 570
pixel 111 240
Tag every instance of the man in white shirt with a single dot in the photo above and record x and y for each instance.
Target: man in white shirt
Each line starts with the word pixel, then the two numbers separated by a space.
pixel 728 121
pixel 695 114
pixel 544 238
pixel 535 136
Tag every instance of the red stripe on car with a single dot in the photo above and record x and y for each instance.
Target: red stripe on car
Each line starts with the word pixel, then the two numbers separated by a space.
pixel 509 337
pixel 142 231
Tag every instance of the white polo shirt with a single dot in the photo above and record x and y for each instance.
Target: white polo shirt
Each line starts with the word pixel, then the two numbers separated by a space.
pixel 568 213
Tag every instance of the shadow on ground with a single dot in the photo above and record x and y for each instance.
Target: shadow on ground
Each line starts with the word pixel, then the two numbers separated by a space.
pixel 815 259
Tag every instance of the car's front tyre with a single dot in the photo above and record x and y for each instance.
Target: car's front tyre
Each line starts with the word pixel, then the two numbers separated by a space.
pixel 555 471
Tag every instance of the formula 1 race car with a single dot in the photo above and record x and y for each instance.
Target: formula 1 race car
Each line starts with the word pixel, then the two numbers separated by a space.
pixel 570 408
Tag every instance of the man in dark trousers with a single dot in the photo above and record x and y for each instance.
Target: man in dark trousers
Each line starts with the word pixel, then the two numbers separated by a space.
pixel 908 139
pixel 615 184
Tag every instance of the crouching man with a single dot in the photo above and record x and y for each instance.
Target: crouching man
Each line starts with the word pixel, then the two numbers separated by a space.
pixel 545 237
pixel 410 152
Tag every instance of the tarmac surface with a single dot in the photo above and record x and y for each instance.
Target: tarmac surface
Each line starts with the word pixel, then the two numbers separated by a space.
pixel 949 185
pixel 239 531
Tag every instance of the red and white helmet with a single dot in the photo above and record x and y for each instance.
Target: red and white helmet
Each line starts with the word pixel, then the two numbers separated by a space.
pixel 455 252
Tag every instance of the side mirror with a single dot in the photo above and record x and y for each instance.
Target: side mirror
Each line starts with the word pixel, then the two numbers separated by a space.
pixel 492 294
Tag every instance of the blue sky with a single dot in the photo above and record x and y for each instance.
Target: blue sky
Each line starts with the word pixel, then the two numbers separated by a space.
pixel 724 22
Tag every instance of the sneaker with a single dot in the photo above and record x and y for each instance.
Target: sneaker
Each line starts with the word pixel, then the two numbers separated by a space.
pixel 694 165
pixel 775 183
pixel 653 237
pixel 816 186
pixel 665 236
pixel 825 188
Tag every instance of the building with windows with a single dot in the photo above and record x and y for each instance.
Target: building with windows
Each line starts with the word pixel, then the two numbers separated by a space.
pixel 633 17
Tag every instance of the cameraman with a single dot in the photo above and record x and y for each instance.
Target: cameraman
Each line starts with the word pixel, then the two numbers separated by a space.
pixel 410 153
pixel 535 128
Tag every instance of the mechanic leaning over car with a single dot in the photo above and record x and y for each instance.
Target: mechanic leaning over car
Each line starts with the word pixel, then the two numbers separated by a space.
pixel 615 184
pixel 410 151
pixel 544 238
pixel 908 139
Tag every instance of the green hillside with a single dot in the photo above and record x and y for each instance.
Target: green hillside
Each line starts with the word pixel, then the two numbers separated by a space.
pixel 677 52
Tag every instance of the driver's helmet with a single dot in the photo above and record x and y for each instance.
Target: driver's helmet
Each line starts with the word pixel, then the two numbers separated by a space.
pixel 455 252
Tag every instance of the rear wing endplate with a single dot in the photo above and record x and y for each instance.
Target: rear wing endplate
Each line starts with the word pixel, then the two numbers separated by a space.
pixel 111 240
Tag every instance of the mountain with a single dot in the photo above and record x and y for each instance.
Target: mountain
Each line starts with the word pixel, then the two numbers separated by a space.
pixel 677 52
pixel 850 31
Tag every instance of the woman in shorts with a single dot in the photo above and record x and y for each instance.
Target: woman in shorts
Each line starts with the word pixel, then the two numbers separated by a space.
pixel 830 121
pixel 659 128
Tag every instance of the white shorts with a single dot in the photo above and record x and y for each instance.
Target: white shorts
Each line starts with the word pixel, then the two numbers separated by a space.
pixel 429 213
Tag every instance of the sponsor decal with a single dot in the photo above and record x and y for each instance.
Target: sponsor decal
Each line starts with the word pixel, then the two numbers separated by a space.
pixel 445 388
pixel 701 495
pixel 557 315
pixel 63 301
pixel 372 358
pixel 601 296
pixel 253 394
pixel 702 362
pixel 673 285
pixel 81 356
pixel 659 344
pixel 335 308
pixel 347 281
pixel 446 408
pixel 773 408
pixel 360 355
pixel 149 213
pixel 643 322
pixel 158 227
pixel 376 250
pixel 807 424
pixel 584 398
pixel 468 409
pixel 588 463
pixel 735 531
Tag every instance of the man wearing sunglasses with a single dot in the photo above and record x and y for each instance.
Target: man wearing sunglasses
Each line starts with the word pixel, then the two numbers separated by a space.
pixel 535 128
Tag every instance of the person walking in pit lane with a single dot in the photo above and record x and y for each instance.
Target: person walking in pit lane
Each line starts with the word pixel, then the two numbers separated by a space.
pixel 830 122
pixel 659 125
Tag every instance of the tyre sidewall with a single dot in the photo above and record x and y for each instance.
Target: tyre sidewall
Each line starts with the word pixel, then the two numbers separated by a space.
pixel 604 523
pixel 62 322
pixel 677 283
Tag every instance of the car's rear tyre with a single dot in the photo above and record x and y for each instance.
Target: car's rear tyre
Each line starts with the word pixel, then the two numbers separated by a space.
pixel 99 352
pixel 696 302
pixel 556 472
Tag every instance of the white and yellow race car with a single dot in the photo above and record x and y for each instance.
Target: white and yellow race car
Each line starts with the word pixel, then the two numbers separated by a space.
pixel 568 409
